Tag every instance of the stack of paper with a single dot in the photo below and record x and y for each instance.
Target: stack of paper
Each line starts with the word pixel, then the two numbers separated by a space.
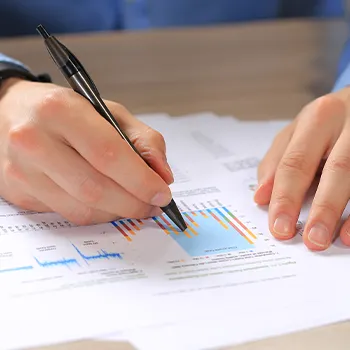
pixel 223 281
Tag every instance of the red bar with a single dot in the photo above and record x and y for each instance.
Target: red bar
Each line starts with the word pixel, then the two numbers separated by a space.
pixel 168 224
pixel 127 227
pixel 121 231
pixel 133 225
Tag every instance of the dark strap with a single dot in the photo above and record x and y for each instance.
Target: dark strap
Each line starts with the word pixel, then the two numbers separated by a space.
pixel 12 70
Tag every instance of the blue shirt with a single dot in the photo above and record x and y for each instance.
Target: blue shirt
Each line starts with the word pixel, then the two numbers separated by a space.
pixel 20 17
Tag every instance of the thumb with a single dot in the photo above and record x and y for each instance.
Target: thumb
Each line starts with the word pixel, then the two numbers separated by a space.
pixel 149 142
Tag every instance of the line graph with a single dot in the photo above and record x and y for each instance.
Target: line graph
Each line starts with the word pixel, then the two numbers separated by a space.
pixel 63 262
pixel 100 255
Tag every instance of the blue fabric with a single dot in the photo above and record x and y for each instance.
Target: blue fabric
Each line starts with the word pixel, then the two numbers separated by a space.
pixel 20 17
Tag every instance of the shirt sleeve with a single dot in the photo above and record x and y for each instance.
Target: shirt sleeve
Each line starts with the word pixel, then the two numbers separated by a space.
pixel 4 58
pixel 343 74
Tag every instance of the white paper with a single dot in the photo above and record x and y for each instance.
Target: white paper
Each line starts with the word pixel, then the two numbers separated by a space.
pixel 62 282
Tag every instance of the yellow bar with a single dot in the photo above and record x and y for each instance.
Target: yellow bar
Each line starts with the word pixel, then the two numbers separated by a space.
pixel 192 230
pixel 169 225
pixel 191 220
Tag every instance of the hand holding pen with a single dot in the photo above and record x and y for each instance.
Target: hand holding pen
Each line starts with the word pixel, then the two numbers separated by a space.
pixel 57 154
pixel 136 168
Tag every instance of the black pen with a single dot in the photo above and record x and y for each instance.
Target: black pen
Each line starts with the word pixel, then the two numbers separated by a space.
pixel 80 81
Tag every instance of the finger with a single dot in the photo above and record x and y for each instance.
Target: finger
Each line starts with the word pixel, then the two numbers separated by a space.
pixel 299 164
pixel 331 197
pixel 267 167
pixel 345 232
pixel 100 144
pixel 13 191
pixel 65 205
pixel 80 180
pixel 151 146
pixel 148 141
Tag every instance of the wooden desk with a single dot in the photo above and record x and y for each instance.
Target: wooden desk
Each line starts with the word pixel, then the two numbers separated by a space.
pixel 253 71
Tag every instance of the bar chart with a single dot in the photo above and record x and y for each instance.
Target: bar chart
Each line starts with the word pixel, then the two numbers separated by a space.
pixel 211 230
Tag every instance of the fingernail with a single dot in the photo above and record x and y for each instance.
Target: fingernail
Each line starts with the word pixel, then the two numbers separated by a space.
pixel 283 225
pixel 319 235
pixel 161 199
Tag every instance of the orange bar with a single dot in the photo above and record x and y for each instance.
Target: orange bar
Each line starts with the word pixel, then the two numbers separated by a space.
pixel 191 229
pixel 128 228
pixel 239 222
pixel 121 231
pixel 194 213
pixel 235 227
pixel 133 225
pixel 189 218
pixel 139 221
pixel 203 214
pixel 218 220
pixel 169 225
pixel 161 226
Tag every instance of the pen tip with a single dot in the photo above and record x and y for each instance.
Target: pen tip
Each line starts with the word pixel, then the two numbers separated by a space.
pixel 174 214
pixel 42 31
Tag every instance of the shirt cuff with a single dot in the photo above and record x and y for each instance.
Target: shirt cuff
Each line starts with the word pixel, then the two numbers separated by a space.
pixel 4 58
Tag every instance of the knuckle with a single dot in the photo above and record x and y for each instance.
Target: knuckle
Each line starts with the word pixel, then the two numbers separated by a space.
pixel 154 136
pixel 52 103
pixel 294 162
pixel 326 207
pixel 11 171
pixel 283 199
pixel 24 136
pixel 325 108
pixel 90 191
pixel 81 215
pixel 341 163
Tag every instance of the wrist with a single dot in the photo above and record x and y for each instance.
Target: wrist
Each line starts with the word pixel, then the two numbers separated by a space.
pixel 7 84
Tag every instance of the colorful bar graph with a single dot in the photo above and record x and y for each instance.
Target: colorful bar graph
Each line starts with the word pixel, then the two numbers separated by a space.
pixel 127 227
pixel 169 225
pixel 215 231
pixel 217 219
pixel 212 230
pixel 165 229
pixel 239 222
pixel 234 226
pixel 115 224
pixel 190 219
pixel 133 225
pixel 203 213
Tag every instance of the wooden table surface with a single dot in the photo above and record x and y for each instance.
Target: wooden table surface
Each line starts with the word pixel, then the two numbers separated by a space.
pixel 253 71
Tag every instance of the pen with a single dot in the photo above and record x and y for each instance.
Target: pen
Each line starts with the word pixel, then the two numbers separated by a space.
pixel 80 81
